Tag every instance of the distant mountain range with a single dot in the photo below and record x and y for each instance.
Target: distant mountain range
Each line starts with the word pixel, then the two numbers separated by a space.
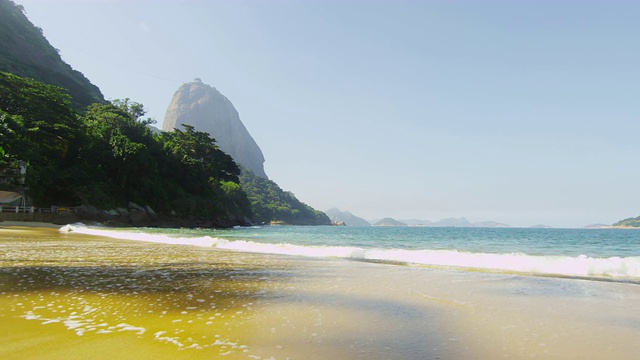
pixel 347 218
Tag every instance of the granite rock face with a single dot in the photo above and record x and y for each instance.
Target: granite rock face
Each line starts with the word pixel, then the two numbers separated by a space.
pixel 206 109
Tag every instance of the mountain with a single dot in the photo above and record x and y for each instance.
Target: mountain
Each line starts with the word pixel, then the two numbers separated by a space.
pixel 389 222
pixel 25 51
pixel 628 223
pixel 489 224
pixel 346 217
pixel 206 109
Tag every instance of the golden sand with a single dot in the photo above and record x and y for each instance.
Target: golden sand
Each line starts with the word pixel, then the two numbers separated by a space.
pixel 70 296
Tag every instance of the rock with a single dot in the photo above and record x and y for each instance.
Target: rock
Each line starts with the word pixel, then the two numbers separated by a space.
pixel 152 214
pixel 206 109
pixel 135 207
pixel 87 211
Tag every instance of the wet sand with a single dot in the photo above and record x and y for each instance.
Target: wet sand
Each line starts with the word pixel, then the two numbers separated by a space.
pixel 71 296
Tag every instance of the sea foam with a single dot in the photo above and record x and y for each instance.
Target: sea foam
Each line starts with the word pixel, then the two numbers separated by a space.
pixel 578 266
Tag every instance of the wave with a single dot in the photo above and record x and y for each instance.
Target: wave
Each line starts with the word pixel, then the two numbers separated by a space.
pixel 622 268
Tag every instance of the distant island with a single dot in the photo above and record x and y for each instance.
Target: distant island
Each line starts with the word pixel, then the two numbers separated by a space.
pixel 389 222
pixel 628 223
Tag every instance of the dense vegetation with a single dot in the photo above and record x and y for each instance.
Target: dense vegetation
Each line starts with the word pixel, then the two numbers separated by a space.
pixel 108 156
pixel 270 203
pixel 83 150
pixel 26 52
pixel 630 222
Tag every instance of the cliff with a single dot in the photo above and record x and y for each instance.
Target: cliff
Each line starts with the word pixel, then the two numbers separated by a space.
pixel 25 51
pixel 206 109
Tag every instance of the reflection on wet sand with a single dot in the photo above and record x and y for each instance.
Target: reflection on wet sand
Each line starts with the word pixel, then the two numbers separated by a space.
pixel 71 296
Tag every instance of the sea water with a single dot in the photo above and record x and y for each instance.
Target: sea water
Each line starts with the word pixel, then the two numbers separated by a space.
pixel 612 254
pixel 333 292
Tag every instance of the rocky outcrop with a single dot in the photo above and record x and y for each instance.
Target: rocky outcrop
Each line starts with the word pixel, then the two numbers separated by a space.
pixel 206 109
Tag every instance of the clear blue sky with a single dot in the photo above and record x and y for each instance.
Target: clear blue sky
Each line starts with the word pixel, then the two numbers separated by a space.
pixel 523 112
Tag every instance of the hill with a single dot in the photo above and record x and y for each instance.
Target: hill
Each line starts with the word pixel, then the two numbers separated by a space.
pixel 25 51
pixel 270 203
pixel 389 222
pixel 346 217
pixel 628 223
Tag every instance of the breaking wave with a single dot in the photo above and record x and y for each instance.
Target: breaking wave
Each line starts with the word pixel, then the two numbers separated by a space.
pixel 620 268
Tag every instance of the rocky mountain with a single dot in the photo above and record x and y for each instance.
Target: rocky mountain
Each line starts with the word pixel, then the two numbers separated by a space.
pixel 25 51
pixel 206 109
pixel 389 222
pixel 346 217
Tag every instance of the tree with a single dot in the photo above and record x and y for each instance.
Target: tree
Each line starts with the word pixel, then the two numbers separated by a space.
pixel 39 126
pixel 122 151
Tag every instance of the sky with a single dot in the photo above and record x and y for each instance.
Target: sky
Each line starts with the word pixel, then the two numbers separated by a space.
pixel 522 112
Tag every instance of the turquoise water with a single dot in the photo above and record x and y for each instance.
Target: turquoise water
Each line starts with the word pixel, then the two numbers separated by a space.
pixel 571 242
pixel 587 253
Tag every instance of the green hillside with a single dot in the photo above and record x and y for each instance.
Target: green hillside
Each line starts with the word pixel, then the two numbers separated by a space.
pixel 630 222
pixel 25 51
pixel 83 150
pixel 108 157
pixel 270 203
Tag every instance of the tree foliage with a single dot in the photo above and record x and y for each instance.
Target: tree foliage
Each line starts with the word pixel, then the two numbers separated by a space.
pixel 270 203
pixel 27 53
pixel 108 156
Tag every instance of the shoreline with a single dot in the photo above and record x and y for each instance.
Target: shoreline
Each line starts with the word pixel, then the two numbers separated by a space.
pixel 78 296
pixel 29 224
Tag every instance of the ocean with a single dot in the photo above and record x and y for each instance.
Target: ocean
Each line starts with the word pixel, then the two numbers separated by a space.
pixel 598 254
pixel 296 292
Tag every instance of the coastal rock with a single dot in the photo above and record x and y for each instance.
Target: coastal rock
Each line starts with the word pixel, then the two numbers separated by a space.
pixel 206 109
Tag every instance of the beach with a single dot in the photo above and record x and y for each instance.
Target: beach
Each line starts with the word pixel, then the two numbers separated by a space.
pixel 77 296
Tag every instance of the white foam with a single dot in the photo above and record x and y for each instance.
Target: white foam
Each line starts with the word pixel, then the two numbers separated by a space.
pixel 582 266
pixel 205 241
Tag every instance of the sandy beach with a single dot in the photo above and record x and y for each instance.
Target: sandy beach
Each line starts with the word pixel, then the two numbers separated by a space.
pixel 71 296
